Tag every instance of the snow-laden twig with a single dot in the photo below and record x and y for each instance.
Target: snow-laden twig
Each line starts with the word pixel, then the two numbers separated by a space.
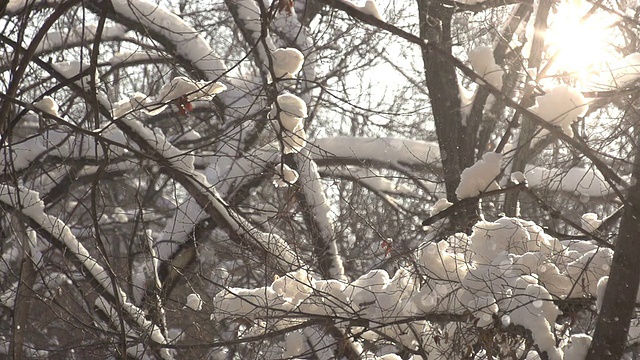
pixel 170 30
pixel 316 212
pixel 179 165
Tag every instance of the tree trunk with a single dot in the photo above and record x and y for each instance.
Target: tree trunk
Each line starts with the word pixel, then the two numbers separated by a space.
pixel 610 336
pixel 456 148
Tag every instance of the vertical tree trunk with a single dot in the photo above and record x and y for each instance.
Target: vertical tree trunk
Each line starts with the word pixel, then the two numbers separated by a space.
pixel 456 148
pixel 610 336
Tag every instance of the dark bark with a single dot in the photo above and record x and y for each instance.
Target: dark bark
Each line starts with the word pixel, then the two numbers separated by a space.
pixel 610 336
pixel 456 146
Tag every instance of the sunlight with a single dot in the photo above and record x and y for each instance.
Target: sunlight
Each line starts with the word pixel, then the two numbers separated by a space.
pixel 580 47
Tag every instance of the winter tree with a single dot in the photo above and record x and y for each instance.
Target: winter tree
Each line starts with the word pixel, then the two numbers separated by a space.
pixel 319 179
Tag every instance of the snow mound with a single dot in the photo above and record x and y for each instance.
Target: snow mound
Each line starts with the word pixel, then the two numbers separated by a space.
pixel 371 8
pixel 287 62
pixel 194 301
pixel 483 63
pixel 480 177
pixel 561 106
pixel 286 175
pixel 290 110
pixel 48 105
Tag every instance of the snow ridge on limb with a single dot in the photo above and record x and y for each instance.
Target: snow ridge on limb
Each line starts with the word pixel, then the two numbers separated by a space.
pixel 480 177
pixel 249 19
pixel 179 165
pixel 28 203
pixel 316 214
pixel 169 29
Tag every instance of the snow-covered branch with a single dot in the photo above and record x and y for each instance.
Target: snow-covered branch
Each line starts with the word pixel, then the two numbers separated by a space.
pixel 29 206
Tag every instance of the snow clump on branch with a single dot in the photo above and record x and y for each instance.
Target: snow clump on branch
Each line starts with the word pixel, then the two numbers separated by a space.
pixel 561 106
pixel 290 110
pixel 285 175
pixel 369 8
pixel 194 301
pixel 287 62
pixel 48 105
pixel 178 88
pixel 483 63
pixel 480 177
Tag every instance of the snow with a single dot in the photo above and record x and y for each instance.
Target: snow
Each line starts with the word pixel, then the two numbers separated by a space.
pixel 600 290
pixel 48 105
pixel 590 222
pixel 194 302
pixel 291 105
pixel 295 141
pixel 285 175
pixel 182 85
pixel 480 177
pixel 294 287
pixel 398 153
pixel 440 205
pixel 387 150
pixel 287 62
pixel 508 271
pixel 484 64
pixel 54 40
pixel 180 160
pixel 486 308
pixel 70 69
pixel 313 192
pixel 29 203
pixel 587 270
pixel 518 178
pixel 578 347
pixel 188 43
pixel 15 6
pixel 440 262
pixel 178 88
pixel 294 345
pixel 538 316
pixel 289 110
pixel 582 181
pixel 371 8
pixel 119 215
pixel 561 106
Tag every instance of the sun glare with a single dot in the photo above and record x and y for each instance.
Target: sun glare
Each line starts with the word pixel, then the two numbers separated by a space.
pixel 580 47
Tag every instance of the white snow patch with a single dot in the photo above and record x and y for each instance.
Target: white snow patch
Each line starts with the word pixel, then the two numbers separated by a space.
pixel 289 110
pixel 194 302
pixel 371 8
pixel 480 177
pixel 48 105
pixel 484 64
pixel 561 106
pixel 590 222
pixel 287 62
pixel 285 175
pixel 578 347
pixel 188 43
pixel 518 178
pixel 440 205
pixel 70 69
